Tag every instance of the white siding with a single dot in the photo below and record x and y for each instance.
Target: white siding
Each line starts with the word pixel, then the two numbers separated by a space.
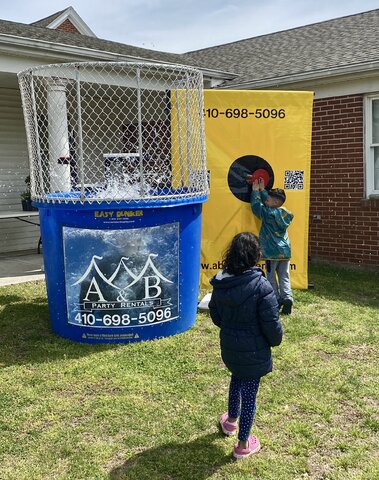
pixel 15 235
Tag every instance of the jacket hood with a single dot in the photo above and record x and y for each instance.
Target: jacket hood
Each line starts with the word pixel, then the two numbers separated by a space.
pixel 236 289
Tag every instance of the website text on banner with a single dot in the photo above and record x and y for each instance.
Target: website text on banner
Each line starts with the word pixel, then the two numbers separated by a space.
pixel 267 134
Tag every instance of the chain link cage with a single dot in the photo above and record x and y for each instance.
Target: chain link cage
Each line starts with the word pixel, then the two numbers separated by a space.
pixel 114 132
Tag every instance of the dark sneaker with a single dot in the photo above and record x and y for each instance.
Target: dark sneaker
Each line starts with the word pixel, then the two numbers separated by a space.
pixel 287 307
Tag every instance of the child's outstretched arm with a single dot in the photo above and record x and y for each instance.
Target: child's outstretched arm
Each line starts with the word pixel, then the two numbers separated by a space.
pixel 258 196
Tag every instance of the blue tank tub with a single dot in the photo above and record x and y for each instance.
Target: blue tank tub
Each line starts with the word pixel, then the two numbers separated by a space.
pixel 121 272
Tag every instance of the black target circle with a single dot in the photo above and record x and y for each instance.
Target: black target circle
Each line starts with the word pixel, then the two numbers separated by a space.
pixel 240 169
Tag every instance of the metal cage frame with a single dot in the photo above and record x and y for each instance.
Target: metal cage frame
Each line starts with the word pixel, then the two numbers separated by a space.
pixel 114 132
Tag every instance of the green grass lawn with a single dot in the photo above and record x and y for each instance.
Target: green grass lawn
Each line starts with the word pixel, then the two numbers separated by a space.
pixel 150 410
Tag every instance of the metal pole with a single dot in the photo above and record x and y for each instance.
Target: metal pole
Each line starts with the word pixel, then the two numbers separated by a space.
pixel 189 163
pixel 202 134
pixel 179 139
pixel 80 134
pixel 35 118
pixel 139 110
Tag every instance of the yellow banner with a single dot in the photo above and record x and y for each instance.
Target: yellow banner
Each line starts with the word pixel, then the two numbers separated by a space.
pixel 266 132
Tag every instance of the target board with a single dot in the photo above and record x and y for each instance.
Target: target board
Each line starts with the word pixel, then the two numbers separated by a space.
pixel 256 134
pixel 242 168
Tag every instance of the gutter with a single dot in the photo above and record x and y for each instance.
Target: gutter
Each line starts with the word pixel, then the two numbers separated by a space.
pixel 367 68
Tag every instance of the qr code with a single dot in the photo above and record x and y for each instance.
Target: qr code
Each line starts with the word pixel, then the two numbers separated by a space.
pixel 294 180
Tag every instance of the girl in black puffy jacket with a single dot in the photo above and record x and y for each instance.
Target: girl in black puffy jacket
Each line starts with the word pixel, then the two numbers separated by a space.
pixel 243 305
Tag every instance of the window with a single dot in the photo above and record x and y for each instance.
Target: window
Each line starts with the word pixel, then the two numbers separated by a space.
pixel 372 145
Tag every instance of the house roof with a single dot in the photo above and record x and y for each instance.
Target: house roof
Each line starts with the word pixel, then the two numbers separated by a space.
pixel 313 51
pixel 58 18
pixel 351 41
pixel 34 37
pixel 34 32
pixel 45 22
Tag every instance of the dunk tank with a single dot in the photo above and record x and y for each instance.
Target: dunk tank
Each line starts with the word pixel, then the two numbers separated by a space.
pixel 118 173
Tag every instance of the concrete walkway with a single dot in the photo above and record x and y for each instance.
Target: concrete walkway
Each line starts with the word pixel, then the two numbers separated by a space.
pixel 20 268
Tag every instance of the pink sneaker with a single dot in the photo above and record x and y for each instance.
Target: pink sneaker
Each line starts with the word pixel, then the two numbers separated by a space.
pixel 253 446
pixel 228 428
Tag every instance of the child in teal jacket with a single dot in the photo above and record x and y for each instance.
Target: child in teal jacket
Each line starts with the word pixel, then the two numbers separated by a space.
pixel 274 239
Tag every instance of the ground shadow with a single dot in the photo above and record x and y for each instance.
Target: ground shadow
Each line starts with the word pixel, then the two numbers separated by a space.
pixel 7 298
pixel 198 459
pixel 26 335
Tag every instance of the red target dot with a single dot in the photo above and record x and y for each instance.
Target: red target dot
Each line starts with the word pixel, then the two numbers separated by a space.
pixel 261 173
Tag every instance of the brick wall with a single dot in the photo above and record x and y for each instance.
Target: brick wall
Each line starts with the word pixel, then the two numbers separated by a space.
pixel 67 26
pixel 348 230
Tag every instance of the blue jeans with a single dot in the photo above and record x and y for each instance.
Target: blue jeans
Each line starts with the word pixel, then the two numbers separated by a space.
pixel 282 286
pixel 242 394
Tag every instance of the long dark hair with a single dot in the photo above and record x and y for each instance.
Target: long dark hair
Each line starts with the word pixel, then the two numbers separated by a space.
pixel 243 252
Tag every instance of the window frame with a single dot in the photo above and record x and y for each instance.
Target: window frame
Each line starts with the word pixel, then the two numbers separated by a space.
pixel 369 158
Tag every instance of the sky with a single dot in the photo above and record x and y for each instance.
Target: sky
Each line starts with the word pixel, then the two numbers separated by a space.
pixel 181 26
